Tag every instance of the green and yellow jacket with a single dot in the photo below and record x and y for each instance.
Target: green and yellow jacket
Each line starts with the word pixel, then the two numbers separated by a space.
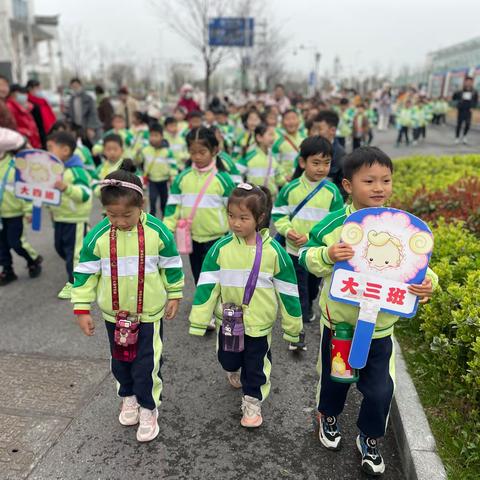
pixel 314 258
pixel 328 199
pixel 159 164
pixel 210 220
pixel 164 278
pixel 10 205
pixel 286 152
pixel 76 200
pixel 254 166
pixel 223 279
pixel 178 146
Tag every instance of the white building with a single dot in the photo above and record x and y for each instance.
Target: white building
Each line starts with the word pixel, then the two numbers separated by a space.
pixel 29 46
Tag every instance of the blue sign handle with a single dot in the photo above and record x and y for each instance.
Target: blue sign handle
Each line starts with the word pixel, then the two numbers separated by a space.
pixel 362 338
pixel 37 217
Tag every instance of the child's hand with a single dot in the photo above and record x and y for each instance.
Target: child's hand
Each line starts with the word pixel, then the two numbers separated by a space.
pixel 171 309
pixel 293 235
pixel 340 252
pixel 60 185
pixel 85 322
pixel 301 240
pixel 424 291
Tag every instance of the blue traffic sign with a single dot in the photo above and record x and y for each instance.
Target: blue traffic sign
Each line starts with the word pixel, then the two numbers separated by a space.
pixel 231 32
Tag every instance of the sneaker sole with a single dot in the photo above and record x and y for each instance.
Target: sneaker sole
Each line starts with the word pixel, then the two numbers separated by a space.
pixel 366 468
pixel 155 435
pixel 251 425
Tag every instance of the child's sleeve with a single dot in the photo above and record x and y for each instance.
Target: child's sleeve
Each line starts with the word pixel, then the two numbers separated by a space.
pixel 281 213
pixel 86 275
pixel 79 189
pixel 286 288
pixel 313 256
pixel 433 277
pixel 174 204
pixel 228 186
pixel 207 293
pixel 172 163
pixel 337 200
pixel 170 264
pixel 242 163
pixel 280 178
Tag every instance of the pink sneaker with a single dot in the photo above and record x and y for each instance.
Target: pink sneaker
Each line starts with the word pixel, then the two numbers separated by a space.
pixel 129 413
pixel 148 428
pixel 252 412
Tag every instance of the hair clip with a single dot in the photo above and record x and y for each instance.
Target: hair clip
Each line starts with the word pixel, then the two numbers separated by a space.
pixel 245 186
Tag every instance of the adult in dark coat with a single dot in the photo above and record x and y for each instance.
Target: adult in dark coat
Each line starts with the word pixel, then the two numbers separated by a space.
pixel 82 112
pixel 104 108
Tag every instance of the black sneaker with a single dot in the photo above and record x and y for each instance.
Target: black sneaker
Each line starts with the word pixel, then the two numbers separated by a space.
pixel 372 461
pixel 328 432
pixel 300 345
pixel 7 277
pixel 35 269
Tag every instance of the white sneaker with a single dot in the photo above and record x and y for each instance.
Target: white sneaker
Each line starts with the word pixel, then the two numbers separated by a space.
pixel 234 379
pixel 465 141
pixel 252 412
pixel 129 414
pixel 148 428
pixel 457 141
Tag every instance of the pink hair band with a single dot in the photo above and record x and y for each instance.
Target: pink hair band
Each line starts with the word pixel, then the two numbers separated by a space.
pixel 110 182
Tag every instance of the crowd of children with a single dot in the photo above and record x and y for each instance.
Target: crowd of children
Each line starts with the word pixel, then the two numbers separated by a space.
pixel 221 180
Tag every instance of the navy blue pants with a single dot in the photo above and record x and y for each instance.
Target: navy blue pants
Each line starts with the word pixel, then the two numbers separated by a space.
pixel 255 362
pixel 308 286
pixel 68 243
pixel 157 190
pixel 143 376
pixel 376 384
pixel 11 239
pixel 198 255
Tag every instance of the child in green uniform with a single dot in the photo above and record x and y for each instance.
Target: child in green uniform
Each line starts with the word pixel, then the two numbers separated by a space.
pixel 132 254
pixel 288 144
pixel 113 155
pixel 260 166
pixel 210 220
pixel 223 280
pixel 159 167
pixel 176 141
pixel 71 217
pixel 14 213
pixel 368 179
pixel 323 197
pixel 404 121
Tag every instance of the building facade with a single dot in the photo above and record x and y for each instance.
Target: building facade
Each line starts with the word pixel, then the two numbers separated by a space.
pixel 29 45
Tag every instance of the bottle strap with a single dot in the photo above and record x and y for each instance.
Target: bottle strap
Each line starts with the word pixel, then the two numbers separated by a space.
pixel 253 277
pixel 291 142
pixel 201 194
pixel 114 268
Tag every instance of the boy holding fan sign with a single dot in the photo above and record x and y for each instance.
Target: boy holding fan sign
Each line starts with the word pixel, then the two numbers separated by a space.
pixel 368 179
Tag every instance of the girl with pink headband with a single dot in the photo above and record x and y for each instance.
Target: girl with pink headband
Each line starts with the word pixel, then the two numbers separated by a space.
pixel 130 266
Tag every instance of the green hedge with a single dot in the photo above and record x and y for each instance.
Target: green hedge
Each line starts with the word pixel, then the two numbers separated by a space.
pixel 442 344
pixel 434 173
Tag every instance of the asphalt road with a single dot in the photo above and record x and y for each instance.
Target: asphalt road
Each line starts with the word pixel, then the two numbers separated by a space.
pixel 58 415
